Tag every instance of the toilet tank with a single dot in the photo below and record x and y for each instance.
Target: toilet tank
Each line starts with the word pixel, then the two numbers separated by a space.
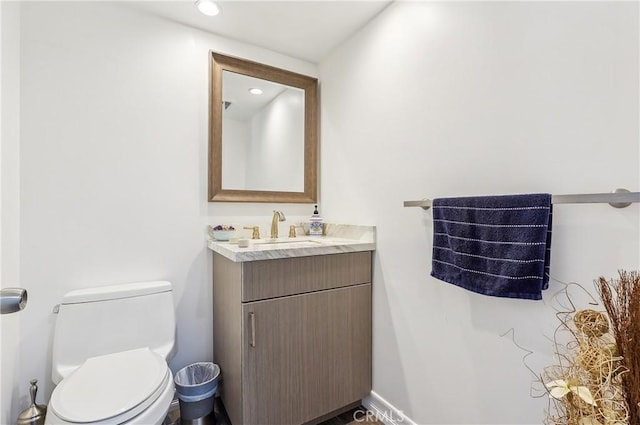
pixel 110 319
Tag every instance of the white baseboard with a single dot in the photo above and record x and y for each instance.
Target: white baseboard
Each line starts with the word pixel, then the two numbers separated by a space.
pixel 384 411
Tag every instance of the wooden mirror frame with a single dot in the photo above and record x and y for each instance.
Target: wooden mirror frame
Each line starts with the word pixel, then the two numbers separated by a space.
pixel 219 63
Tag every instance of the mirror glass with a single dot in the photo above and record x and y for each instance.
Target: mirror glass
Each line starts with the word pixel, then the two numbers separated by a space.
pixel 262 133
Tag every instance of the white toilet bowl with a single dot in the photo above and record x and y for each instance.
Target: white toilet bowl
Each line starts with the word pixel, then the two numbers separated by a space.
pixel 131 387
pixel 110 351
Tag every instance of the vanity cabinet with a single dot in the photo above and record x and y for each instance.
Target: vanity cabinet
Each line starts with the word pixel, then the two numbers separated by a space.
pixel 292 336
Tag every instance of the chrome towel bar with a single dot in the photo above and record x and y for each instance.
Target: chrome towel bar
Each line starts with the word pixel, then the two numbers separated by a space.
pixel 619 198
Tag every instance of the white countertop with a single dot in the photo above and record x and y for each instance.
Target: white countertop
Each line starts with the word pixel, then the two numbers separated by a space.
pixel 339 239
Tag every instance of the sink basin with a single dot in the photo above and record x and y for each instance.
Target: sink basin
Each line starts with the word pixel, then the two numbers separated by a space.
pixel 284 241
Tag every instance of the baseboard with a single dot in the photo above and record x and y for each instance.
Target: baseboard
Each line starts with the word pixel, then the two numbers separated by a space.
pixel 384 411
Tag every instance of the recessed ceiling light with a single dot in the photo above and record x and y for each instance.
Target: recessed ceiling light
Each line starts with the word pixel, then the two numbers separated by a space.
pixel 208 7
pixel 255 91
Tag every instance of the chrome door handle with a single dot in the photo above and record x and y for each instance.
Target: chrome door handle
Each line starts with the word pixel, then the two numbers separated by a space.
pixel 12 300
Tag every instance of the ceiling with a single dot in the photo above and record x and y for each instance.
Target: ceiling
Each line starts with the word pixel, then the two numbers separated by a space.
pixel 307 30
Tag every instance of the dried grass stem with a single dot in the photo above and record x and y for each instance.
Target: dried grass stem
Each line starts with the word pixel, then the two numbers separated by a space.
pixel 621 299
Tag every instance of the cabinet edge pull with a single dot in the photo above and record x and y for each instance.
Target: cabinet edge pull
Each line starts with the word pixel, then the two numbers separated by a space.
pixel 252 319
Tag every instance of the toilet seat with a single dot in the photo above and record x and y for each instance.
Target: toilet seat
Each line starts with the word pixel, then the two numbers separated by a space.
pixel 112 388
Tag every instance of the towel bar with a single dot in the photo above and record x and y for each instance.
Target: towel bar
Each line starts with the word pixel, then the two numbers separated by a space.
pixel 619 198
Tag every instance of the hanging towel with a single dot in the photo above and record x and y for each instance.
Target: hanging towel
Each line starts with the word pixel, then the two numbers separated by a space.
pixel 493 245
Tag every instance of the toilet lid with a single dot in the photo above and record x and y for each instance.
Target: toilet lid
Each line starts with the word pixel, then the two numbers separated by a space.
pixel 115 385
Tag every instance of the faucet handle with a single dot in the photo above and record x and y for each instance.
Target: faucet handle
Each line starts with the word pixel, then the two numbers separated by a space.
pixel 256 232
pixel 293 230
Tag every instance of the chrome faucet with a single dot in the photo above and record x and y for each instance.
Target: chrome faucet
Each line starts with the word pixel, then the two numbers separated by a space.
pixel 277 216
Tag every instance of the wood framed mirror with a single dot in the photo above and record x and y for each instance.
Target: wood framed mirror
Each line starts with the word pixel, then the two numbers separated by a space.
pixel 263 133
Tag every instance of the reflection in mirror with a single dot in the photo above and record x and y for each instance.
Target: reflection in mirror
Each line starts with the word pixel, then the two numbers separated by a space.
pixel 262 147
pixel 262 134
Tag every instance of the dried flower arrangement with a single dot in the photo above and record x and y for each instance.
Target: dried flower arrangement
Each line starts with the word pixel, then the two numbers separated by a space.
pixel 621 299
pixel 224 227
pixel 596 380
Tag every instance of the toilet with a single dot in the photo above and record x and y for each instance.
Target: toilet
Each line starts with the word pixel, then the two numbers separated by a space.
pixel 111 345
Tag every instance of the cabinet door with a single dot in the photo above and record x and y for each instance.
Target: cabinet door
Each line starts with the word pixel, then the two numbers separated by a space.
pixel 305 355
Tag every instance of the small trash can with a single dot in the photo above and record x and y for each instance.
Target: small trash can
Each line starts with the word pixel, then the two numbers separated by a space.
pixel 196 386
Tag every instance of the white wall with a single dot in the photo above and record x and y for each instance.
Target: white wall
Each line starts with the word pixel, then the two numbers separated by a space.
pixel 470 98
pixel 234 151
pixel 10 204
pixel 113 166
pixel 275 153
pixel 265 148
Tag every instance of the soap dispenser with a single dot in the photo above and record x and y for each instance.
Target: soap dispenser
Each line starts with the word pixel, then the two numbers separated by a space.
pixel 315 223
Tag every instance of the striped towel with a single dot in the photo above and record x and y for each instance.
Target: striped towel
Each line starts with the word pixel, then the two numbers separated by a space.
pixel 494 245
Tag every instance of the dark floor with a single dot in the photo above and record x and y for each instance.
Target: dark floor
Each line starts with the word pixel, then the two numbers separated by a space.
pixel 352 417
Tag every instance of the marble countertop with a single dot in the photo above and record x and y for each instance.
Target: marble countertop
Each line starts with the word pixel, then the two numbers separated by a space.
pixel 340 238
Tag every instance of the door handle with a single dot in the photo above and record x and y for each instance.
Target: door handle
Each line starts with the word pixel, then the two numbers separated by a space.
pixel 252 323
pixel 12 300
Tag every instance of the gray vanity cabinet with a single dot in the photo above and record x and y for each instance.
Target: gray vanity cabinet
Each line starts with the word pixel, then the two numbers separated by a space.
pixel 292 336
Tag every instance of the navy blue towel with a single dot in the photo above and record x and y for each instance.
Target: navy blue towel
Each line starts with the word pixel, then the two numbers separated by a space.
pixel 494 245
